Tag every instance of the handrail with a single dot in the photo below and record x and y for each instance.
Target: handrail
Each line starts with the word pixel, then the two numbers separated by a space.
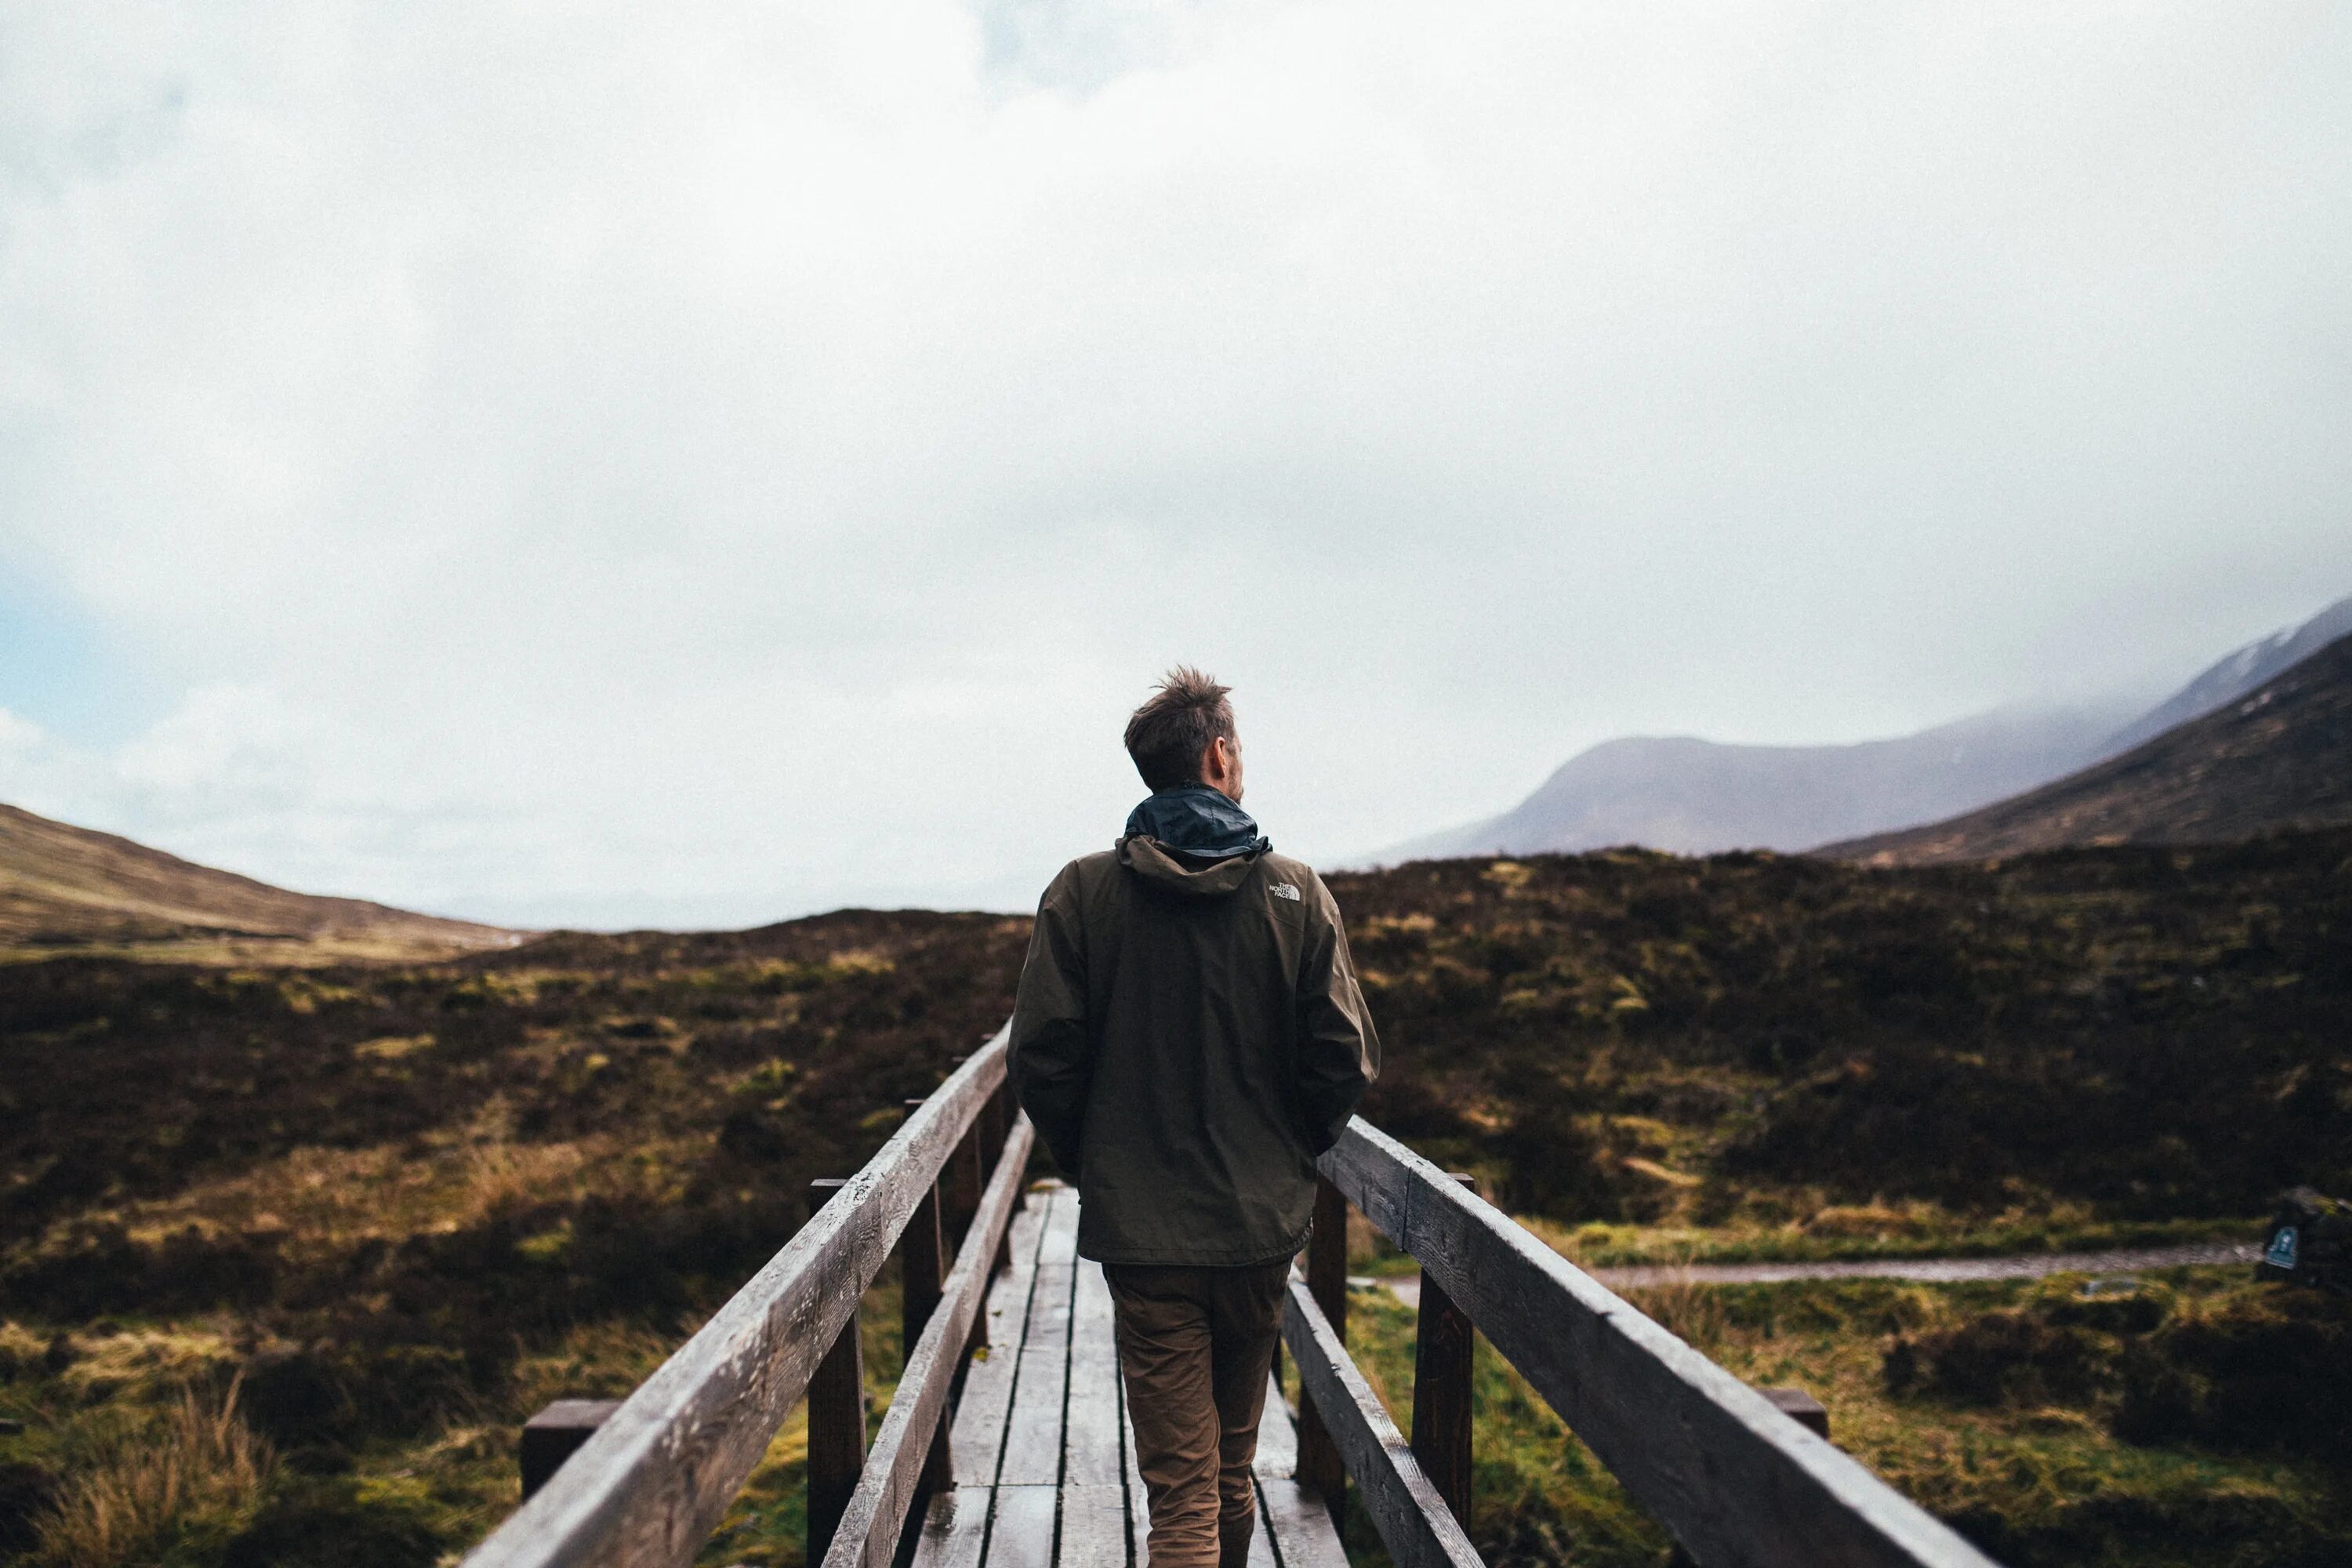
pixel 1737 1481
pixel 655 1478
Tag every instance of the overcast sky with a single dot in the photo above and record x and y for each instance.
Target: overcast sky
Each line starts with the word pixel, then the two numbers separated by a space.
pixel 695 464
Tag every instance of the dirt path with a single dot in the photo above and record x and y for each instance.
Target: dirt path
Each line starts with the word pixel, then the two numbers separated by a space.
pixel 1939 1271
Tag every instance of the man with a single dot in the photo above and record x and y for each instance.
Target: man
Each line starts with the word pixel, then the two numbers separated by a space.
pixel 1189 1036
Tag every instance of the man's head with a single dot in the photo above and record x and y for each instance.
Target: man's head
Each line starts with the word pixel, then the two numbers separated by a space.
pixel 1184 734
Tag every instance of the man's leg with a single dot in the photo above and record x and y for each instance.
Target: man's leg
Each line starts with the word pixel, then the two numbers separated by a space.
pixel 1164 1352
pixel 1245 1319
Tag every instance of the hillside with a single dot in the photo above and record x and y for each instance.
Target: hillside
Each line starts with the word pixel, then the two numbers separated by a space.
pixel 64 888
pixel 2277 760
pixel 409 1203
pixel 1691 796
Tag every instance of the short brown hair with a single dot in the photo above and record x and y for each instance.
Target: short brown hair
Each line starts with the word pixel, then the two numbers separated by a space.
pixel 1169 733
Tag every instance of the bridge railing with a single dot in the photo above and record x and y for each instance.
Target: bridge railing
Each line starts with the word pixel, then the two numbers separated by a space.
pixel 1730 1474
pixel 653 1480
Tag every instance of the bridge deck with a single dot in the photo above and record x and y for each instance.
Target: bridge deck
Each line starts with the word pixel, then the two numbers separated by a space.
pixel 1045 1464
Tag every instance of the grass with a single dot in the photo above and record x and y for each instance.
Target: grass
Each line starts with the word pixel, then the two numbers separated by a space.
pixel 2055 1421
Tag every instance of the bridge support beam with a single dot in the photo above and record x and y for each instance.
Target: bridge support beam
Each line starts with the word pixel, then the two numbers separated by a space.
pixel 836 1418
pixel 1444 1343
pixel 1320 1465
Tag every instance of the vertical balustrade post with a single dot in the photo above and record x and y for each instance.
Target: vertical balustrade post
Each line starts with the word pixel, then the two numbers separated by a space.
pixel 1003 1108
pixel 1319 1465
pixel 1441 1392
pixel 922 1269
pixel 836 1420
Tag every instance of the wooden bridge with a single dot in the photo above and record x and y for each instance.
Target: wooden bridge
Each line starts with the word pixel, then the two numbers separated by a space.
pixel 1006 1443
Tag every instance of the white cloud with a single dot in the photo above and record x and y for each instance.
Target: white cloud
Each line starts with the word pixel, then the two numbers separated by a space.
pixel 715 459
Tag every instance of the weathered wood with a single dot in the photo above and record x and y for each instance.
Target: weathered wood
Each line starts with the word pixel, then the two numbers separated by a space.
pixel 922 1263
pixel 1300 1523
pixel 1278 1439
pixel 836 1420
pixel 1292 1520
pixel 1320 1468
pixel 555 1434
pixel 900 1469
pixel 1021 1534
pixel 1033 1438
pixel 1094 1527
pixel 1414 1520
pixel 987 1401
pixel 649 1487
pixel 955 1528
pixel 1260 1546
pixel 1732 1480
pixel 1443 1349
pixel 1138 1497
pixel 1090 1438
pixel 1801 1407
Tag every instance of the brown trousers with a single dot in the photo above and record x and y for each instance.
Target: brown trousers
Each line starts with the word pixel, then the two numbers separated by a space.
pixel 1195 1345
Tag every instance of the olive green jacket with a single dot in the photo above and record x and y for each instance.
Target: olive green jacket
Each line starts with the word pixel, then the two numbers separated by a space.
pixel 1188 1038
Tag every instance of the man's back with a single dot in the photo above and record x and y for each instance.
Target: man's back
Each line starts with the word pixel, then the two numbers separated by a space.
pixel 1190 1035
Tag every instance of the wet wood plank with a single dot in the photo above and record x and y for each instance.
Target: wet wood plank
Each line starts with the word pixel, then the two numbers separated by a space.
pixel 977 1438
pixel 955 1528
pixel 1277 1437
pixel 1032 1439
pixel 1094 1527
pixel 897 1467
pixel 1021 1532
pixel 1061 1244
pixel 1299 1526
pixel 649 1487
pixel 1091 1454
pixel 1732 1478
pixel 1414 1523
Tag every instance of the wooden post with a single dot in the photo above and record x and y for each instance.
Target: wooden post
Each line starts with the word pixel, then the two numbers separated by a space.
pixel 1002 1111
pixel 836 1420
pixel 1320 1464
pixel 1442 1391
pixel 922 1267
pixel 1801 1407
pixel 554 1433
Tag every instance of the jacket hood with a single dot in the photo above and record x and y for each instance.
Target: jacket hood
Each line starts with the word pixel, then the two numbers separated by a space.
pixel 1157 862
pixel 1194 819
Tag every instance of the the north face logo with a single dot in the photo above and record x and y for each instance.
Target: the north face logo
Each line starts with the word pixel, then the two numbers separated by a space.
pixel 1285 890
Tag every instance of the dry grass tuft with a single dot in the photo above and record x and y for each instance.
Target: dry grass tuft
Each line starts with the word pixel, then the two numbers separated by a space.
pixel 152 1482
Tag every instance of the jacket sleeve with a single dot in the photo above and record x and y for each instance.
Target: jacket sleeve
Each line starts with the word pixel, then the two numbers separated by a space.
pixel 1338 1050
pixel 1051 1055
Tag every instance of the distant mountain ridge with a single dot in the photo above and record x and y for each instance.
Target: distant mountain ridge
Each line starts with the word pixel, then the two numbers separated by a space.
pixel 1693 797
pixel 2275 760
pixel 63 888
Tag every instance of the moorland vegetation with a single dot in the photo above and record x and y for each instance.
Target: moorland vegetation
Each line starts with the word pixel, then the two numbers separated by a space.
pixel 286 1254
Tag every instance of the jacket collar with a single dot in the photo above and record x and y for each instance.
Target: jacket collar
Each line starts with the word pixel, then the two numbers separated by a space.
pixel 1196 820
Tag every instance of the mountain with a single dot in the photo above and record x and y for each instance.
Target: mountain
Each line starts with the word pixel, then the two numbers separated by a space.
pixel 2278 759
pixel 2234 675
pixel 63 888
pixel 1697 797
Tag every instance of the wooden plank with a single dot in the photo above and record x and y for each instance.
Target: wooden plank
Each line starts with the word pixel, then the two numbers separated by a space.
pixel 979 1430
pixel 900 1469
pixel 1260 1546
pixel 1061 1244
pixel 1412 1519
pixel 1734 1479
pixel 1299 1525
pixel 1277 1438
pixel 1139 1500
pixel 1444 1350
pixel 955 1529
pixel 1021 1531
pixel 649 1487
pixel 1094 1527
pixel 1033 1438
pixel 1319 1465
pixel 1090 1432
